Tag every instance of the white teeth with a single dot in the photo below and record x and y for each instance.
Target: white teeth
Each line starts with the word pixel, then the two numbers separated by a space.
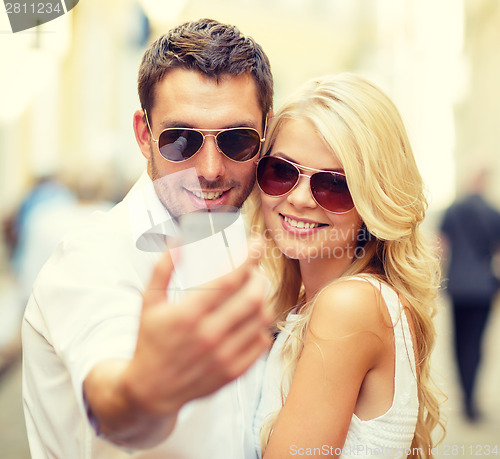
pixel 210 195
pixel 300 224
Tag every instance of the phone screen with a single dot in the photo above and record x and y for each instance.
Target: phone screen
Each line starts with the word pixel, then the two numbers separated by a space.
pixel 212 243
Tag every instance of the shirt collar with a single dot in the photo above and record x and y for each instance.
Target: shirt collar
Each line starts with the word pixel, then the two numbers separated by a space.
pixel 150 221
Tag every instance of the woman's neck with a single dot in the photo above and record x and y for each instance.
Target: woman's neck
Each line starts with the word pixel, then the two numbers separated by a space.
pixel 317 273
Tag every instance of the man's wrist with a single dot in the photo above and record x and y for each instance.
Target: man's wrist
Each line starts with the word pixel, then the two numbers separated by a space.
pixel 118 415
pixel 91 417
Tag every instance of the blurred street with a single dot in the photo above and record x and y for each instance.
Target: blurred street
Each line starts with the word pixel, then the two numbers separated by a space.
pixel 462 440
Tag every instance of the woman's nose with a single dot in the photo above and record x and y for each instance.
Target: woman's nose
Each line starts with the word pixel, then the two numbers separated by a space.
pixel 300 196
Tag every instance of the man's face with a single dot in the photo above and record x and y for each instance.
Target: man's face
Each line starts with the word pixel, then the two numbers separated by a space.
pixel 186 98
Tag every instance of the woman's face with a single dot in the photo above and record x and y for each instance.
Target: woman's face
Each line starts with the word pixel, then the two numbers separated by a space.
pixel 299 226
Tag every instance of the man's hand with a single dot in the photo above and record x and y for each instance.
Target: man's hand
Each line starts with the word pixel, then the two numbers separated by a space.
pixel 184 351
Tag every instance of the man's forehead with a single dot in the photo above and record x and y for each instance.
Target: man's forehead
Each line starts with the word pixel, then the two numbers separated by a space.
pixel 191 82
pixel 189 98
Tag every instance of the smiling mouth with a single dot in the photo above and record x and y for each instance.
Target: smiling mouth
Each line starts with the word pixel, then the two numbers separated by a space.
pixel 301 224
pixel 207 195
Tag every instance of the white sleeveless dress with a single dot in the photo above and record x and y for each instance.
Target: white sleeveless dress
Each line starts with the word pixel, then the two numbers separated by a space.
pixel 389 435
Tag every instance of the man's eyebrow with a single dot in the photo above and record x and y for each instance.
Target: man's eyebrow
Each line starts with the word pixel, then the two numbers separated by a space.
pixel 282 155
pixel 182 124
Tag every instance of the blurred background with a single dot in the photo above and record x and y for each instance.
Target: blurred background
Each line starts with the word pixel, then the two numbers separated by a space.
pixel 68 93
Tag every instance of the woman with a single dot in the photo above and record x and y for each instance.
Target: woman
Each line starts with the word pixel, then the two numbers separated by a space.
pixel 342 200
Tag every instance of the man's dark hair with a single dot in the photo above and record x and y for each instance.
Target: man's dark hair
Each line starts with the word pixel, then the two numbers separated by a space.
pixel 211 48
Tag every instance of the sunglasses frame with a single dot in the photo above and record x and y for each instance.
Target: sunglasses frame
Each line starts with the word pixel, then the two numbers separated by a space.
pixel 218 131
pixel 298 167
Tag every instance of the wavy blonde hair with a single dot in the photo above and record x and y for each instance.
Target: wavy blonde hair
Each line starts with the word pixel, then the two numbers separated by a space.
pixel 365 132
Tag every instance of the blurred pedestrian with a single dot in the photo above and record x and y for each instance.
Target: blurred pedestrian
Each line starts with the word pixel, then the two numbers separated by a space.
pixel 471 236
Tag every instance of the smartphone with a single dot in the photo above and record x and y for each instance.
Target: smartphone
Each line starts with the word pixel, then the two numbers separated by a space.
pixel 213 242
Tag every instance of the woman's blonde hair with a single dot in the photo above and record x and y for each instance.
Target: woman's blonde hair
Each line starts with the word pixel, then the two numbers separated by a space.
pixel 365 132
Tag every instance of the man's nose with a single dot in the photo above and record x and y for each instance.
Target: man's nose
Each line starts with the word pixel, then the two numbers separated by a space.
pixel 210 161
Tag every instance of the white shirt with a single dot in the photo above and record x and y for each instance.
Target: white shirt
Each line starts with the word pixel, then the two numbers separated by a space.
pixel 85 308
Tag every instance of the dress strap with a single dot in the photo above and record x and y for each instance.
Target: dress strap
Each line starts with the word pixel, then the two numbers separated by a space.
pixel 404 353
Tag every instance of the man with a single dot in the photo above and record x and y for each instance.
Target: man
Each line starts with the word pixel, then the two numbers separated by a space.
pixel 111 364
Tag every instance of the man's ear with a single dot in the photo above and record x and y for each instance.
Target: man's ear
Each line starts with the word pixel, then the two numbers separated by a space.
pixel 142 134
pixel 269 117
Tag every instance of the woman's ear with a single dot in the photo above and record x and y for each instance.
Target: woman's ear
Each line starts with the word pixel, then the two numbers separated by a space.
pixel 142 134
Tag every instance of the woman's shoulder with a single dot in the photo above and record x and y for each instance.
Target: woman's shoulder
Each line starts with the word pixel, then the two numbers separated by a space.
pixel 356 294
pixel 351 305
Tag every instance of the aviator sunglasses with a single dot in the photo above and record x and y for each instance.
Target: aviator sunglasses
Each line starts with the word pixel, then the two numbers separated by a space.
pixel 278 176
pixel 239 144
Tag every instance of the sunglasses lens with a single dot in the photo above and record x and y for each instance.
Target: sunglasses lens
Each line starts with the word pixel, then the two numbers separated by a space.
pixel 331 192
pixel 179 144
pixel 239 144
pixel 275 176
